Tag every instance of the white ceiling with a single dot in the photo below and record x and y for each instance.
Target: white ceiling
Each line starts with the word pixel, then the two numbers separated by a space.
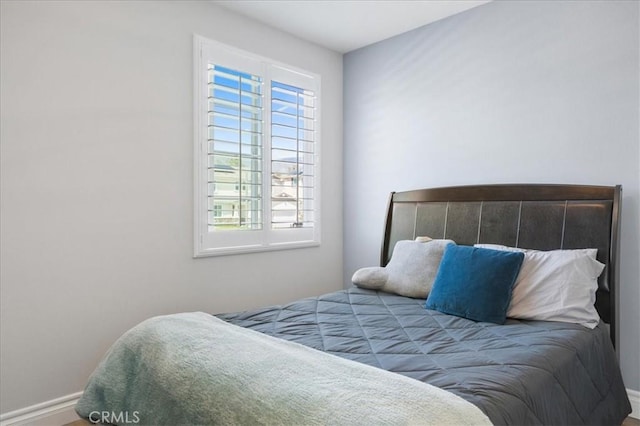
pixel 348 24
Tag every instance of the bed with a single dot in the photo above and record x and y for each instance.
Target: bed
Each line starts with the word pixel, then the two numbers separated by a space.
pixel 370 356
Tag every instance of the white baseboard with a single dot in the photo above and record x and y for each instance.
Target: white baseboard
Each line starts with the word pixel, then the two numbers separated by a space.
pixel 634 397
pixel 56 412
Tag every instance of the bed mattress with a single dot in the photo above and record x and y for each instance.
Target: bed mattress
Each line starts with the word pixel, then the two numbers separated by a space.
pixel 522 372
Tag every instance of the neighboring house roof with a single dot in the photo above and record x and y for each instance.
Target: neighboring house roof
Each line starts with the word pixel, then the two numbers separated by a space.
pixel 224 168
pixel 283 196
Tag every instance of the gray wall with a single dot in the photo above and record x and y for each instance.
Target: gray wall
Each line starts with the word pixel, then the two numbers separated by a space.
pixel 96 175
pixel 506 92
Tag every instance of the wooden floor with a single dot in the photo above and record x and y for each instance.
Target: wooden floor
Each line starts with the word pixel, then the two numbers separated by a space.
pixel 629 421
pixel 80 422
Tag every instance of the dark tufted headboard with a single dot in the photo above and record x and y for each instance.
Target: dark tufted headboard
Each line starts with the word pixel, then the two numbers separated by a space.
pixel 542 217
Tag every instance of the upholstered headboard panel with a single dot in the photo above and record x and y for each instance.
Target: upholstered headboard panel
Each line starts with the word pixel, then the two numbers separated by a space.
pixel 542 217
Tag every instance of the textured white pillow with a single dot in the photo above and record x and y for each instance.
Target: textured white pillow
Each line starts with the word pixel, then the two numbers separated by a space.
pixel 410 272
pixel 557 285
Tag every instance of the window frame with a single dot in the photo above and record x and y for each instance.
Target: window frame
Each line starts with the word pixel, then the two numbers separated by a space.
pixel 226 242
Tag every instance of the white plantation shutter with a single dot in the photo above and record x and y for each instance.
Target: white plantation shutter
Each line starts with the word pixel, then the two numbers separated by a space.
pixel 234 149
pixel 256 153
pixel 292 156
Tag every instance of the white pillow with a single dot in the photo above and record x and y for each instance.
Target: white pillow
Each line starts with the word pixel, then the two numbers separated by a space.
pixel 557 285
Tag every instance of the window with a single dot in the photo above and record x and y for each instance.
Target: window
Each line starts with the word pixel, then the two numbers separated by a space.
pixel 256 152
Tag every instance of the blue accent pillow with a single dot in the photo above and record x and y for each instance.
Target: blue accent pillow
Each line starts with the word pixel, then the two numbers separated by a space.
pixel 475 283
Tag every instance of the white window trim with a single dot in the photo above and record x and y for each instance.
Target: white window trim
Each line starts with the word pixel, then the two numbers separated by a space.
pixel 246 241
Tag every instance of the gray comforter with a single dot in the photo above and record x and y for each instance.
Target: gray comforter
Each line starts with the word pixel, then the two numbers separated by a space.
pixel 520 373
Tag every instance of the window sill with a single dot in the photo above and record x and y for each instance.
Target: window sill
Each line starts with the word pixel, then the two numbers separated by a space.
pixel 227 251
